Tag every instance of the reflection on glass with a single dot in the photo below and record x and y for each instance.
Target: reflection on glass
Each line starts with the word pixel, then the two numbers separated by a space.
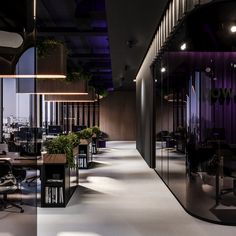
pixel 196 131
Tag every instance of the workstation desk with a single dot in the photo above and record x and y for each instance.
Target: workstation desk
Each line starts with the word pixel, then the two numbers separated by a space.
pixel 58 181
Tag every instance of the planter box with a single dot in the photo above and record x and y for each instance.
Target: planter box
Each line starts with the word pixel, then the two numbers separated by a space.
pixel 54 158
pixel 58 86
pixel 54 63
pixel 90 97
pixel 101 143
pixel 75 151
pixel 84 141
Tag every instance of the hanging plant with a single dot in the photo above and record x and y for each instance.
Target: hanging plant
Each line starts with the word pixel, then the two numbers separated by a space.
pixel 100 90
pixel 75 76
pixel 46 46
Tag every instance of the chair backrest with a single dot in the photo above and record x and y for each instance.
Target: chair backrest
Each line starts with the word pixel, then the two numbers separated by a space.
pixel 7 179
pixel 5 167
pixel 3 147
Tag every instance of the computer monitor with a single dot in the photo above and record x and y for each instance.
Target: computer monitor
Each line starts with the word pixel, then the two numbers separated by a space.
pixel 29 133
pixel 25 133
pixel 77 128
pixel 54 129
pixel 30 149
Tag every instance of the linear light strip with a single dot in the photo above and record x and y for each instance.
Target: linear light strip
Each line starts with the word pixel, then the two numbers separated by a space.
pixel 70 100
pixel 34 76
pixel 57 93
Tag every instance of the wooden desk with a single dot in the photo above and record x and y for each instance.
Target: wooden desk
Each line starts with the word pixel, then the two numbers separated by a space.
pixel 16 161
pixel 58 181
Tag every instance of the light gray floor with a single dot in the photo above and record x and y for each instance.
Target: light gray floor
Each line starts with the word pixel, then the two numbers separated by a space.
pixel 123 197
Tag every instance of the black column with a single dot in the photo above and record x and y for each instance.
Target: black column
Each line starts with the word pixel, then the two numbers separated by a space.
pixel 83 114
pixel 78 113
pixel 46 114
pixel 98 114
pixel 57 113
pixel 94 114
pixel 88 114
pixel 1 110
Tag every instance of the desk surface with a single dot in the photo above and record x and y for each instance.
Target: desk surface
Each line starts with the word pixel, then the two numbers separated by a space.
pixel 14 157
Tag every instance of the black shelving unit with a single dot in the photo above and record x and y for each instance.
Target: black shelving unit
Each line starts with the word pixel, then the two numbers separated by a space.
pixel 85 155
pixel 94 145
pixel 58 183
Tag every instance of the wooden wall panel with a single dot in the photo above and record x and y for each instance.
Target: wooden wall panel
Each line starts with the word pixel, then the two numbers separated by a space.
pixel 118 115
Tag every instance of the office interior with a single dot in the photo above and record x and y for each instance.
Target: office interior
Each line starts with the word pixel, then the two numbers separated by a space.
pixel 190 72
pixel 169 87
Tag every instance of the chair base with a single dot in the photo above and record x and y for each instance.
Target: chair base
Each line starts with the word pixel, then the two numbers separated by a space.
pixel 31 179
pixel 6 204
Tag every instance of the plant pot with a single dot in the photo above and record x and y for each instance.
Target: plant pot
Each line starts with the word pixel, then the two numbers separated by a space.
pixel 54 158
pixel 84 141
pixel 61 86
pixel 75 151
pixel 54 62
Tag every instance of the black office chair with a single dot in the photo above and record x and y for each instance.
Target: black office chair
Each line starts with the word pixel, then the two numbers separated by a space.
pixel 229 170
pixel 8 184
pixel 20 175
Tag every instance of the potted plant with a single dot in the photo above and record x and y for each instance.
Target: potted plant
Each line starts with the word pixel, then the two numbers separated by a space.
pixel 59 150
pixel 96 131
pixel 74 140
pixel 78 75
pixel 85 135
pixel 51 57
pixel 47 46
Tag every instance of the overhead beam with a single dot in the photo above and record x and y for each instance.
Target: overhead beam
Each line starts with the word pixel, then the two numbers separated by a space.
pixel 102 75
pixel 90 55
pixel 70 31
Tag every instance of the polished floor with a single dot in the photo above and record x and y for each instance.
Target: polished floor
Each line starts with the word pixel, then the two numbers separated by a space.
pixel 119 196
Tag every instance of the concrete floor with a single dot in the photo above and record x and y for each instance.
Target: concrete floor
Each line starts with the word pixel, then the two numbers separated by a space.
pixel 122 196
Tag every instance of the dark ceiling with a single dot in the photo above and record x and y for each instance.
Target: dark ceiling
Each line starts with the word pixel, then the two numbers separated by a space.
pixel 82 25
pixel 107 38
pixel 131 26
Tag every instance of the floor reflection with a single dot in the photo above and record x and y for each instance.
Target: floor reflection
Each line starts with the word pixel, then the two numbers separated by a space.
pixel 206 194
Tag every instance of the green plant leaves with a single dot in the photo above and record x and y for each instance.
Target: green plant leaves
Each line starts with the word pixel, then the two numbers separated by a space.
pixel 63 144
pixel 45 47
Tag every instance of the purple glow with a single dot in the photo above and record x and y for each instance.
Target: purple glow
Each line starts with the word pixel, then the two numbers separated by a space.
pixel 110 89
pixel 98 41
pixel 221 75
pixel 99 24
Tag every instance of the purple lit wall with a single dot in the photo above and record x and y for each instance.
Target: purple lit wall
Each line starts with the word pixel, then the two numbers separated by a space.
pixel 214 72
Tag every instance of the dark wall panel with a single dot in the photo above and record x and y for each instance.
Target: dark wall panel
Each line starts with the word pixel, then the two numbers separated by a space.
pixel 118 115
pixel 145 125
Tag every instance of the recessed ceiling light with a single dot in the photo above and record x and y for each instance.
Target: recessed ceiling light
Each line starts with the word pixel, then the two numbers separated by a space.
pixel 183 46
pixel 163 70
pixel 134 80
pixel 233 29
pixel 208 69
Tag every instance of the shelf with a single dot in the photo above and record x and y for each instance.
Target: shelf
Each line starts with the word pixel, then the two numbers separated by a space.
pixel 58 183
pixel 54 195
pixel 85 155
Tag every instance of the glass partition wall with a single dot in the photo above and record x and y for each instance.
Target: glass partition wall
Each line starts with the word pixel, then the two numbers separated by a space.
pixel 196 131
pixel 195 105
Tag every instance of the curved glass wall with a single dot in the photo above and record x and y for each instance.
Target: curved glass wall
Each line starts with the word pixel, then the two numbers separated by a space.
pixel 196 113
